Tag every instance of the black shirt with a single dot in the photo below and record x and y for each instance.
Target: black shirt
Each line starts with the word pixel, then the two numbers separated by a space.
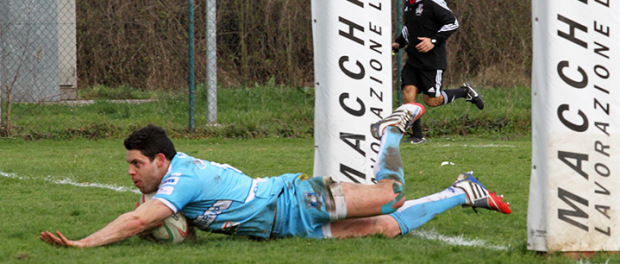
pixel 427 18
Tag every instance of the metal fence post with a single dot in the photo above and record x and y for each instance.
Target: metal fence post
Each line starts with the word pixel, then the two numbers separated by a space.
pixel 211 61
pixel 191 79
pixel 399 56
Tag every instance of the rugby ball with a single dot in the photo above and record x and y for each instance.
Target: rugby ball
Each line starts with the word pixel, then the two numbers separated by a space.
pixel 173 229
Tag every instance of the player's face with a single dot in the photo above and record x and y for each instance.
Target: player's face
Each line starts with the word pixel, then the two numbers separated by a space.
pixel 144 172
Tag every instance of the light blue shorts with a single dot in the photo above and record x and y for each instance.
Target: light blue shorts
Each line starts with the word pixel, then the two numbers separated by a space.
pixel 304 207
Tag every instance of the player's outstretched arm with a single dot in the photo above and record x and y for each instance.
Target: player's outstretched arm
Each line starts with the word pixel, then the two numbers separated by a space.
pixel 59 239
pixel 145 217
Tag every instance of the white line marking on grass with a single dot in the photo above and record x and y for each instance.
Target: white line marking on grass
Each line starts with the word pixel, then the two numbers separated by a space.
pixel 95 185
pixel 480 146
pixel 456 241
pixel 68 181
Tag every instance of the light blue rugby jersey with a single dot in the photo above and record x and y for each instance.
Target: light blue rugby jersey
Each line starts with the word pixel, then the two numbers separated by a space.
pixel 220 198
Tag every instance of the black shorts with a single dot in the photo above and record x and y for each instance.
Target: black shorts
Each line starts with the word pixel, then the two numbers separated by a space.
pixel 428 82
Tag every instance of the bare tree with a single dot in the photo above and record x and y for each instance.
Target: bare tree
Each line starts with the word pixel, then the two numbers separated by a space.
pixel 10 75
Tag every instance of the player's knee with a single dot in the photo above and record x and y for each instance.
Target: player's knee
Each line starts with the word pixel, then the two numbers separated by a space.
pixel 395 199
pixel 433 101
pixel 398 202
pixel 338 208
pixel 393 205
pixel 410 88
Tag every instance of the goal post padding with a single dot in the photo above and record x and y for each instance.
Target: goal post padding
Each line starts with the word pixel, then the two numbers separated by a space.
pixel 575 175
pixel 353 82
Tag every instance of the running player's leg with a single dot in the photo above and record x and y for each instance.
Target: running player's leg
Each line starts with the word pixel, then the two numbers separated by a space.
pixel 409 84
pixel 410 80
pixel 435 95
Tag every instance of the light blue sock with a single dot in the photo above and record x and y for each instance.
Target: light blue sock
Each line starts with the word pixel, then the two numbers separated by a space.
pixel 389 164
pixel 415 213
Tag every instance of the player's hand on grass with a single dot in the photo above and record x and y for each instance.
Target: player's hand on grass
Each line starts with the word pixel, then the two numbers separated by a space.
pixel 58 240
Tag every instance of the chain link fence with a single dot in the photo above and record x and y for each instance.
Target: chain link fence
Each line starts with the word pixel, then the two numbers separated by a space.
pixel 65 52
pixel 37 50
pixel 52 51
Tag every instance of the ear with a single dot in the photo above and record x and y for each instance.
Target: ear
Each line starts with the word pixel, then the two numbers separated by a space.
pixel 160 160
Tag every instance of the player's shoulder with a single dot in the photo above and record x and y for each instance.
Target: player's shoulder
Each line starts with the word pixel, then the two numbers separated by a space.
pixel 182 160
pixel 439 3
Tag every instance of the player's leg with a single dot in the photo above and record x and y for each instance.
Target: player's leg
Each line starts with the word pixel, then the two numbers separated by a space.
pixel 408 83
pixel 337 201
pixel 360 227
pixel 416 136
pixel 473 96
pixel 429 83
pixel 415 133
pixel 465 191
pixel 409 80
pixel 448 96
pixel 435 95
pixel 410 93
pixel 388 194
pixel 413 214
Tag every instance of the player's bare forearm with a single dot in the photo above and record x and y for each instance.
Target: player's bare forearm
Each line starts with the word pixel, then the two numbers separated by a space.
pixel 121 228
pixel 126 225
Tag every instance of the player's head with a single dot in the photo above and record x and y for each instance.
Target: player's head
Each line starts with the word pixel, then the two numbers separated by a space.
pixel 151 140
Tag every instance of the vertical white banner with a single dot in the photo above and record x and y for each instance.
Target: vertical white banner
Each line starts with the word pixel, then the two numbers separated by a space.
pixel 575 179
pixel 353 82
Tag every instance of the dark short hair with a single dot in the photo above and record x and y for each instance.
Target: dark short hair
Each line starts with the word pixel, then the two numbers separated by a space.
pixel 151 140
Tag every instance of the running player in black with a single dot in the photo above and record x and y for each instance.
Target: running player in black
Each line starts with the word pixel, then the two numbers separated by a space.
pixel 427 26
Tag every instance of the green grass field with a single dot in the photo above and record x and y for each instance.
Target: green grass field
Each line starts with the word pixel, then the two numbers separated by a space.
pixel 63 168
pixel 78 186
pixel 269 111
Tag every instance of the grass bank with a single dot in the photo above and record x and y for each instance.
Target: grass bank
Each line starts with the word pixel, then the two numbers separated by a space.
pixel 268 111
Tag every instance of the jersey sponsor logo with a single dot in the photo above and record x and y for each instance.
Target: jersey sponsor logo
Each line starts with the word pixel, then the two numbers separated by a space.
pixel 170 181
pixel 303 177
pixel 312 200
pixel 208 217
pixel 166 190
pixel 418 11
